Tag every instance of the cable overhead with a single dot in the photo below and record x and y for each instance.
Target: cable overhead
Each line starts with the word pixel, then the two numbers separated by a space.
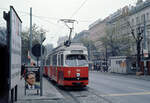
pixel 79 8
pixel 44 17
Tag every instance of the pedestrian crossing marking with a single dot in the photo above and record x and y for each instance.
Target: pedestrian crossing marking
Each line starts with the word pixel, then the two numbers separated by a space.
pixel 127 94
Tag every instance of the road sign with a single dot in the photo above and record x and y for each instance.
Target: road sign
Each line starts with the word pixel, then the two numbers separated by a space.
pixel 36 50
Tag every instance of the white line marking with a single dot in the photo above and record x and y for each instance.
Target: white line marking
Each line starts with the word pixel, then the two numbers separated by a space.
pixel 127 94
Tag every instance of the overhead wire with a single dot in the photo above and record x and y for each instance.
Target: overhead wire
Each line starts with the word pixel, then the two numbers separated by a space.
pixel 79 8
pixel 78 11
pixel 44 18
pixel 52 18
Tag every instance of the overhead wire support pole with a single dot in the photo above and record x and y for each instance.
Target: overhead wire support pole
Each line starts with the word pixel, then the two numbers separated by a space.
pixel 30 32
pixel 41 66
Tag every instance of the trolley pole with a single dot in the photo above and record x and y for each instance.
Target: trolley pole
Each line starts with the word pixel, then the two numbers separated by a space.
pixel 67 22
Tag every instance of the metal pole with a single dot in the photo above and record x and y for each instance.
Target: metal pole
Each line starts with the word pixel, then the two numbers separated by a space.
pixel 145 41
pixel 90 53
pixel 106 59
pixel 37 61
pixel 70 34
pixel 41 70
pixel 30 31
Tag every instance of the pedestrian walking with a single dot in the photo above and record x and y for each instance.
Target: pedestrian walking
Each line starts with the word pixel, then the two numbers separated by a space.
pixel 23 71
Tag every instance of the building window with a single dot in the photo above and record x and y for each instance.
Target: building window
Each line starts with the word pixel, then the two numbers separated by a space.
pixel 132 22
pixel 147 16
pixel 148 40
pixel 142 18
pixel 118 62
pixel 137 20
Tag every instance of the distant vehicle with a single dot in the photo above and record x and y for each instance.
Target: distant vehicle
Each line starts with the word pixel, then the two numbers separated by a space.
pixel 68 66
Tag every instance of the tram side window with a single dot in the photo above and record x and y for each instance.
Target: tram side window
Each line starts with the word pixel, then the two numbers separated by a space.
pixel 48 61
pixel 59 61
pixel 62 59
pixel 55 60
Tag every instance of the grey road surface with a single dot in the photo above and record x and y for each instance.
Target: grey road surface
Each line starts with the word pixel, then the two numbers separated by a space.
pixel 119 89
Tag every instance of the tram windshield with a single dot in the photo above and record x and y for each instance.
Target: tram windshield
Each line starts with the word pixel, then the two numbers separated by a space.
pixel 76 60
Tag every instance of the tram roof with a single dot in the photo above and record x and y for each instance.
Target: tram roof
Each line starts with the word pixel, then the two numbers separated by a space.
pixel 73 46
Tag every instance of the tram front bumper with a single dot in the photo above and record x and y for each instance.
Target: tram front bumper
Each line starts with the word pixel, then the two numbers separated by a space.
pixel 76 83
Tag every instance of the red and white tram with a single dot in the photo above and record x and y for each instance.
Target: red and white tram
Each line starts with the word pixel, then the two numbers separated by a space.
pixel 68 66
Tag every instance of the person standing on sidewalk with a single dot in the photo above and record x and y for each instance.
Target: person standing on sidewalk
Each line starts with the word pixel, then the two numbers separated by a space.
pixel 23 71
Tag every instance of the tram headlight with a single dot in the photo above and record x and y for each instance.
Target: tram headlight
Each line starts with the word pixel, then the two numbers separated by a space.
pixel 78 74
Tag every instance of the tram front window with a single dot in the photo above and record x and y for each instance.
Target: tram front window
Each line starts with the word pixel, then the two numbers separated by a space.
pixel 76 60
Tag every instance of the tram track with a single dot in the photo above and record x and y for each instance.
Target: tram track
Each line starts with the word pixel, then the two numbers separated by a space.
pixel 98 95
pixel 81 95
pixel 68 96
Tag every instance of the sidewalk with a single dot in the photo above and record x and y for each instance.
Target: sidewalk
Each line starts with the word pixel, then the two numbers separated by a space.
pixel 142 77
pixel 50 94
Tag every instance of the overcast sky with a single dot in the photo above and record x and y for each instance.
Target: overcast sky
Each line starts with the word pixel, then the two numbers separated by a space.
pixel 48 12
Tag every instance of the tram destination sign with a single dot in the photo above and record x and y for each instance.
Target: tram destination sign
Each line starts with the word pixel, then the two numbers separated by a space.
pixel 15 47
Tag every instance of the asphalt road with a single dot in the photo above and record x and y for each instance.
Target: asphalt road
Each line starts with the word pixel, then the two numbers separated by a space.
pixel 119 89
